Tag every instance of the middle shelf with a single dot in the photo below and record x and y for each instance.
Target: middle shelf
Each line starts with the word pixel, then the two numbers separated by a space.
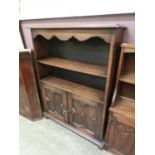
pixel 75 88
pixel 128 77
pixel 124 107
pixel 77 66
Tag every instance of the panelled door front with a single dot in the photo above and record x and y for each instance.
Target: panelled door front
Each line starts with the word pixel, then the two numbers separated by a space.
pixel 120 136
pixel 85 115
pixel 55 102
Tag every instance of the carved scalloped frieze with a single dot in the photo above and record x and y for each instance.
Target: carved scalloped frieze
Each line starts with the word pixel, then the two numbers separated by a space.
pixel 66 35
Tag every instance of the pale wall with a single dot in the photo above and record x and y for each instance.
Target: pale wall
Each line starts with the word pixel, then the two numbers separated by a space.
pixel 110 11
pixel 30 9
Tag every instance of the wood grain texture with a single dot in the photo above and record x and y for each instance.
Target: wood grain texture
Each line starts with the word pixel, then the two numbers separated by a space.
pixel 125 110
pixel 120 138
pixel 97 22
pixel 24 107
pixel 125 82
pixel 29 101
pixel 129 50
pixel 79 34
pixel 85 116
pixel 42 47
pixel 75 66
pixel 128 46
pixel 75 88
pixel 128 68
pixel 128 77
pixel 55 102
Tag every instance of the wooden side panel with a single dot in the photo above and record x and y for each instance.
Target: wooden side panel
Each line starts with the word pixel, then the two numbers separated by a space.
pixel 24 107
pixel 28 96
pixel 42 47
pixel 120 137
pixel 126 90
pixel 129 63
pixel 84 115
pixel 55 102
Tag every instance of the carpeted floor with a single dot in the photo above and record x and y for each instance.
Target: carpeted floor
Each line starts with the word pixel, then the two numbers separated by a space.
pixel 46 137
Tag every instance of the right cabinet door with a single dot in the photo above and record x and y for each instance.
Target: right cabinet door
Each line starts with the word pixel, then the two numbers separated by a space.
pixel 85 115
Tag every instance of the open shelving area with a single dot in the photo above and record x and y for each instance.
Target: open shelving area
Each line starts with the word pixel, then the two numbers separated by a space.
pixel 124 101
pixel 128 77
pixel 75 66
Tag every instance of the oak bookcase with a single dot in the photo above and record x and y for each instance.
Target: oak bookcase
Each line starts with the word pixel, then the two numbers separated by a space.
pixel 76 72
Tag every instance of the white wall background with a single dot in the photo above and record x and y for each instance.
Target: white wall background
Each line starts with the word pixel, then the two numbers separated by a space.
pixel 20 45
pixel 34 9
pixel 30 9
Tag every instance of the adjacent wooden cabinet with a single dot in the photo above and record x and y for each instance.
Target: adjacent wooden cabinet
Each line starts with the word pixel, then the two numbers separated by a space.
pixel 120 135
pixel 29 102
pixel 76 71
pixel 120 138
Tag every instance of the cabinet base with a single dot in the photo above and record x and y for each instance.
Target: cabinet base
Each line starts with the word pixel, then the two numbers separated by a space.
pixel 99 144
pixel 31 118
pixel 112 150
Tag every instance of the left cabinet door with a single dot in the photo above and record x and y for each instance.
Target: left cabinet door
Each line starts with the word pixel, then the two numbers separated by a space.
pixel 29 102
pixel 55 102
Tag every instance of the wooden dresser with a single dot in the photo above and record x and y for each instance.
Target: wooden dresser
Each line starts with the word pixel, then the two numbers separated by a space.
pixel 120 135
pixel 75 68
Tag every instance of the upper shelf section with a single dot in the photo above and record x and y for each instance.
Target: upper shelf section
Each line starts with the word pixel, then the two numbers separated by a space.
pixel 75 66
pixel 79 34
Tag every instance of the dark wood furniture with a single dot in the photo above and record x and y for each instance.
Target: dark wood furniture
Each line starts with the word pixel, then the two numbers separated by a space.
pixel 75 67
pixel 120 135
pixel 29 103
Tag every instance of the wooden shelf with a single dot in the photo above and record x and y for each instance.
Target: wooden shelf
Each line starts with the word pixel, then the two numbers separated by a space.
pixel 128 48
pixel 124 107
pixel 75 66
pixel 75 88
pixel 128 77
pixel 128 45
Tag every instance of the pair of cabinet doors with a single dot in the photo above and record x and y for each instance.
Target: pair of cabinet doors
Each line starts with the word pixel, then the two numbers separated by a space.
pixel 82 114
